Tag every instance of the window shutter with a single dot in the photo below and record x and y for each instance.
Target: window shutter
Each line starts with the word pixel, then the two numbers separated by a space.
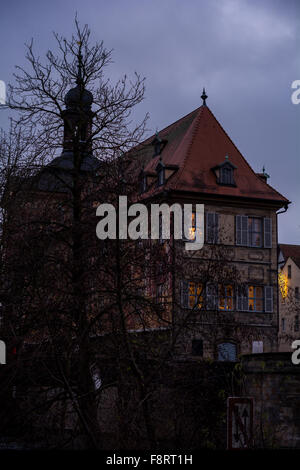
pixel 267 232
pixel 241 300
pixel 244 229
pixel 185 294
pixel 239 304
pixel 268 299
pixel 212 225
pixel 216 228
pixel 245 303
pixel 211 297
pixel 238 229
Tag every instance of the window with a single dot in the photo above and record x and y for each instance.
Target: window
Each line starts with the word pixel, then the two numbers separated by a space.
pixel 257 347
pixel 159 294
pixel 191 294
pixel 191 228
pixel 197 347
pixel 212 225
pixel 296 325
pixel 160 229
pixel 289 271
pixel 96 376
pixel 144 184
pixel 283 324
pixel 227 352
pixel 253 231
pixel 195 295
pixel 255 298
pixel 226 175
pixel 297 293
pixel 160 176
pixel 225 297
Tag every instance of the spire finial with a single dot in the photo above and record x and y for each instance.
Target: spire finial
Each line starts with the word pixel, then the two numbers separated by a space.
pixel 204 96
pixel 79 73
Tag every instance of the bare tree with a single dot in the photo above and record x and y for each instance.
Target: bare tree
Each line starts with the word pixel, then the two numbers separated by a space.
pixel 45 206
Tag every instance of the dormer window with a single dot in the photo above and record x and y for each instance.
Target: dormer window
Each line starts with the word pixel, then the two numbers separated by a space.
pixel 225 173
pixel 160 169
pixel 158 145
pixel 161 177
pixel 143 182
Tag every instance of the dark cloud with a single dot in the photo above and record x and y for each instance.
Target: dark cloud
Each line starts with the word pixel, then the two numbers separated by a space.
pixel 246 53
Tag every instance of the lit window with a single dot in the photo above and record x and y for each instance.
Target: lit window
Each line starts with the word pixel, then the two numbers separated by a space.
pixel 191 228
pixel 225 297
pixel 255 298
pixel 195 295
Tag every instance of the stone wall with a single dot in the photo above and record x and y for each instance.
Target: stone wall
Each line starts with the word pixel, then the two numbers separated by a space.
pixel 274 382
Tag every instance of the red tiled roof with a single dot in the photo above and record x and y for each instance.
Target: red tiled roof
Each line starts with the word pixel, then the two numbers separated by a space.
pixel 291 251
pixel 197 143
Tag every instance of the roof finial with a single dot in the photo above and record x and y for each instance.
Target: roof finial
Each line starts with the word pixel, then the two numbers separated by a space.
pixel 204 96
pixel 264 173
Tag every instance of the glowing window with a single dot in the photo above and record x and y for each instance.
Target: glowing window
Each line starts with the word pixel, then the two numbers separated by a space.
pixel 225 297
pixel 195 295
pixel 255 298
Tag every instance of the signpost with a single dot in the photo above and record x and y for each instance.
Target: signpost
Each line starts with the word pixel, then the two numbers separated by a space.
pixel 239 423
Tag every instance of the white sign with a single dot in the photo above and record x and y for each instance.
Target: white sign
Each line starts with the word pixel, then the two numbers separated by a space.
pixel 239 422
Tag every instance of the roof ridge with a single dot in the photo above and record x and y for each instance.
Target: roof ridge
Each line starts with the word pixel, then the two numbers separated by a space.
pixel 195 125
pixel 167 127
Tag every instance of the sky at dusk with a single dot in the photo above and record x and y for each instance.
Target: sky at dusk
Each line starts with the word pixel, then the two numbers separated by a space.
pixel 245 53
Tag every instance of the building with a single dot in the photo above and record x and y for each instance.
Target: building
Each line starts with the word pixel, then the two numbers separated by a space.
pixel 289 296
pixel 214 303
pixel 224 296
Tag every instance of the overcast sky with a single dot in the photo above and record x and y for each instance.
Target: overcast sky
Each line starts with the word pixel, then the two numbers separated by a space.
pixel 246 54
